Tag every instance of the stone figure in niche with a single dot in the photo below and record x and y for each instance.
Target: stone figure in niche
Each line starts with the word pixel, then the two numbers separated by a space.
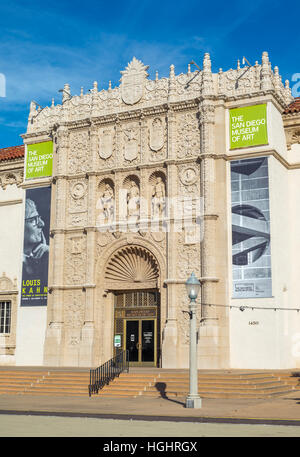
pixel 158 198
pixel 133 200
pixel 107 205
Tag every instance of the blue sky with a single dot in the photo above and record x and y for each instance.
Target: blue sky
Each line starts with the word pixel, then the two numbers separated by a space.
pixel 43 46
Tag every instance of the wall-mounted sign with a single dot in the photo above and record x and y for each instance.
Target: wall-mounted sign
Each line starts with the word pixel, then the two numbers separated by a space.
pixel 117 341
pixel 39 158
pixel 144 312
pixel 34 288
pixel 248 126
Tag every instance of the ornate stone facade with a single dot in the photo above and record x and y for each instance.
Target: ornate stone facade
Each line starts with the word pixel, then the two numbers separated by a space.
pixel 125 159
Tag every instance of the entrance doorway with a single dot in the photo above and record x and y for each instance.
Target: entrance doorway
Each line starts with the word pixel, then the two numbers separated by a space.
pixel 140 341
pixel 136 326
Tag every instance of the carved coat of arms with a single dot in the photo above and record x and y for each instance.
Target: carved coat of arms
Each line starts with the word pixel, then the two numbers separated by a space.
pixel 106 144
pixel 133 81
pixel 156 135
pixel 131 144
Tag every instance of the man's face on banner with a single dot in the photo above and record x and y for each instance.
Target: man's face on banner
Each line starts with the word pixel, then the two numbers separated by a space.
pixel 33 224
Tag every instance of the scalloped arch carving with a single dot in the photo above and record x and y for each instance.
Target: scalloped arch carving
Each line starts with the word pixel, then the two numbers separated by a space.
pixel 132 264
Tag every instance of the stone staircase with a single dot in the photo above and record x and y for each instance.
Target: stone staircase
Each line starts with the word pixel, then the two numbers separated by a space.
pixel 210 385
pixel 44 382
pixel 153 383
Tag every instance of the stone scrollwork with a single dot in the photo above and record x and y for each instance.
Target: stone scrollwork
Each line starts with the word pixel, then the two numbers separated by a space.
pixel 79 152
pixel 189 255
pixel 292 137
pixel 77 208
pixel 188 135
pixel 11 178
pixel 74 310
pixel 75 264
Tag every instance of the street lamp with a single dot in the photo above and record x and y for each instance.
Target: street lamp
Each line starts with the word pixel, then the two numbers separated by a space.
pixel 193 400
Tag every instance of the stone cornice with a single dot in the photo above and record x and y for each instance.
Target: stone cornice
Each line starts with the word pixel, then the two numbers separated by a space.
pixel 248 154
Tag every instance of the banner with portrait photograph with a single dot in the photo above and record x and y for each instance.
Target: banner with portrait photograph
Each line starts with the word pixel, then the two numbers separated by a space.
pixel 251 256
pixel 36 247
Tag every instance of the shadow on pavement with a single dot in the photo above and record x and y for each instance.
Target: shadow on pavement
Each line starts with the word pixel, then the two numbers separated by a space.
pixel 161 387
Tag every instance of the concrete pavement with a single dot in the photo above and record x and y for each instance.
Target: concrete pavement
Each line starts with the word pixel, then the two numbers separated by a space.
pixel 276 410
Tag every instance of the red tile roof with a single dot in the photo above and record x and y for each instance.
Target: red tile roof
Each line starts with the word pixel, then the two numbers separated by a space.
pixel 294 107
pixel 13 152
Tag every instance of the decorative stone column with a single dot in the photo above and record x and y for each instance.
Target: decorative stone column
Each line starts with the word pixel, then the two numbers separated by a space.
pixel 208 182
pixel 88 338
pixel 169 343
pixel 54 333
pixel 208 343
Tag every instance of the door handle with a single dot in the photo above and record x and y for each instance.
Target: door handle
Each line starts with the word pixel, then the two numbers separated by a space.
pixel 138 345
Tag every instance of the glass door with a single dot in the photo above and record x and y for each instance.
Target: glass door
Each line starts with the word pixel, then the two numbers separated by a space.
pixel 141 341
pixel 132 340
pixel 147 341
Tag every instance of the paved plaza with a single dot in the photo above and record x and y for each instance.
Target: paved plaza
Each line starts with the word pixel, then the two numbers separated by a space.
pixel 24 415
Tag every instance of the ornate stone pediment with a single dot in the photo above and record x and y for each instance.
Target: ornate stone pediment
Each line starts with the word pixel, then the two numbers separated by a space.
pixel 6 284
pixel 133 82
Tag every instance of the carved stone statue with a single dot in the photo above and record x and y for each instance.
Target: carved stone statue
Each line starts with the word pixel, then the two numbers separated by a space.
pixel 133 200
pixel 158 198
pixel 107 205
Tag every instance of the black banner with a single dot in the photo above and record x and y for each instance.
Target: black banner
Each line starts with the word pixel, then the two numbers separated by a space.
pixel 36 247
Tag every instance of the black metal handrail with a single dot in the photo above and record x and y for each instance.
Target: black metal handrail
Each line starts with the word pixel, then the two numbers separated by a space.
pixel 101 376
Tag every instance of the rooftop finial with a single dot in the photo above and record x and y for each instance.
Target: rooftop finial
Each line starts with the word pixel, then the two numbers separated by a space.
pixel 266 82
pixel 66 93
pixel 172 71
pixel 207 81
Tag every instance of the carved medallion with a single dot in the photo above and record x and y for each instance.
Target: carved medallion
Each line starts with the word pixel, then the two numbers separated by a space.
pixel 156 135
pixel 188 176
pixel 78 190
pixel 106 144
pixel 133 81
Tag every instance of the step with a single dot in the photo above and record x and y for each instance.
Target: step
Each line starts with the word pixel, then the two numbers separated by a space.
pixel 19 378
pixel 40 386
pixel 63 382
pixel 129 389
pixel 221 394
pixel 55 394
pixel 227 390
pixel 215 382
pixel 11 389
pixel 218 387
pixel 118 393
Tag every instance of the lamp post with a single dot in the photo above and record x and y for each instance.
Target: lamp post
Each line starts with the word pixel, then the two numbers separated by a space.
pixel 193 400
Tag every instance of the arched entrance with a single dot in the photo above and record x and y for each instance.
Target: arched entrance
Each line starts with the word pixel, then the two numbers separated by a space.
pixel 132 276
